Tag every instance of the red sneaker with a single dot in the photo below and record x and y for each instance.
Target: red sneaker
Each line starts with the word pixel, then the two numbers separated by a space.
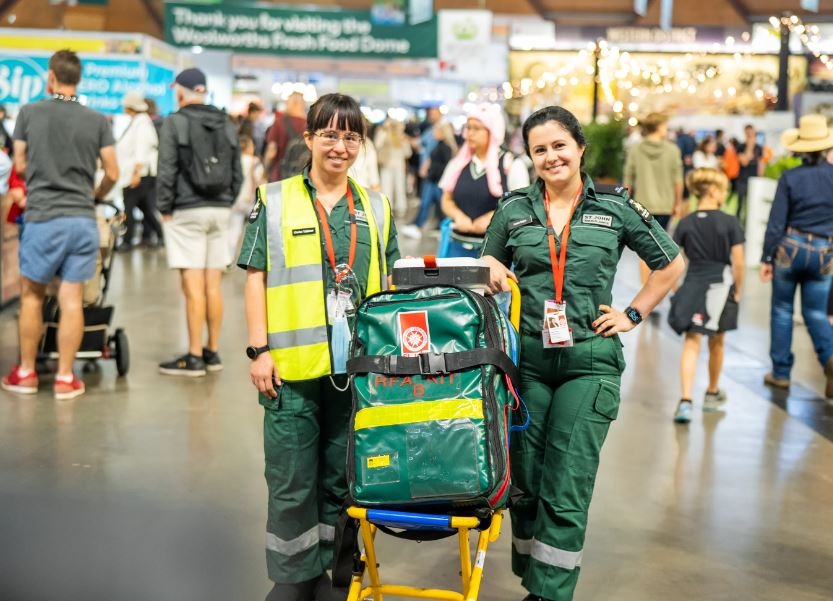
pixel 22 385
pixel 68 390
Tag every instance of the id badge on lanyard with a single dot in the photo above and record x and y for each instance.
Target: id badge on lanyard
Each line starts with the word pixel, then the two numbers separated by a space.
pixel 340 307
pixel 556 332
pixel 343 295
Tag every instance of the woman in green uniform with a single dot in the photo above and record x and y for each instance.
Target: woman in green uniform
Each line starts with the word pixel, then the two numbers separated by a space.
pixel 564 235
pixel 316 244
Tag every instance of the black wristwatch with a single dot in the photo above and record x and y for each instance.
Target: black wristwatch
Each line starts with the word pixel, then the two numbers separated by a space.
pixel 253 352
pixel 634 315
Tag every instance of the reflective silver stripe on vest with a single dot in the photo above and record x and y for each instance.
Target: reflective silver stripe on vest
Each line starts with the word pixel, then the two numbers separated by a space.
pixel 326 533
pixel 294 338
pixel 274 234
pixel 295 275
pixel 293 546
pixel 377 205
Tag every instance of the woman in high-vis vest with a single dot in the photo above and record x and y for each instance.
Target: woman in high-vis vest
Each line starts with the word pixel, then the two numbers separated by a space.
pixel 316 244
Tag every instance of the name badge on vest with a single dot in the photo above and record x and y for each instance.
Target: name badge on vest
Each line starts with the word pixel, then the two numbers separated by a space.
pixel 361 216
pixel 303 231
pixel 513 225
pixel 603 220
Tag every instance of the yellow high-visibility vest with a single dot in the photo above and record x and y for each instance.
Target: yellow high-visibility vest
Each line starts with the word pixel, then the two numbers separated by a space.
pixel 296 309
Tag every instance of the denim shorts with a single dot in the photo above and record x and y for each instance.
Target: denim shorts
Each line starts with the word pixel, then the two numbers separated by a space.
pixel 66 247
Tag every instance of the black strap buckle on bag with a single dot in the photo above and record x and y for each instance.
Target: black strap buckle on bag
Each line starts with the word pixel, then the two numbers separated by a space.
pixel 432 364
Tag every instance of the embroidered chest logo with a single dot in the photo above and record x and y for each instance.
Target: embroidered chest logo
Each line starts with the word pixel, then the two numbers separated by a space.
pixel 603 220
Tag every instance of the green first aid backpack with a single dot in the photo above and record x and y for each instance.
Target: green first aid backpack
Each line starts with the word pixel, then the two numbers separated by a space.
pixel 431 400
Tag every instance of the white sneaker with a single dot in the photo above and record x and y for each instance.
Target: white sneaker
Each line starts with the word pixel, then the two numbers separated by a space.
pixel 714 401
pixel 410 231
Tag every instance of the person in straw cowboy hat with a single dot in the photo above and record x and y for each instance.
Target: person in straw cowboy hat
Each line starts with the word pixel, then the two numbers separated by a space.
pixel 137 153
pixel 798 249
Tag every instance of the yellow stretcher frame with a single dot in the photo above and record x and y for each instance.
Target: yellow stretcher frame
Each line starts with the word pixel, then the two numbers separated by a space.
pixel 471 573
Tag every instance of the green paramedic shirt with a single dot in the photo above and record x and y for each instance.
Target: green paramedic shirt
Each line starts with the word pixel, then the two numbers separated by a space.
pixel 255 248
pixel 602 225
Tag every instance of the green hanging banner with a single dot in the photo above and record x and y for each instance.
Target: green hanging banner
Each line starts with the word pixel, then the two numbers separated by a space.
pixel 266 30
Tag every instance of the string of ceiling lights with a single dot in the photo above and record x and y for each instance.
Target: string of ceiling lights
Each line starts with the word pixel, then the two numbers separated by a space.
pixel 809 35
pixel 726 77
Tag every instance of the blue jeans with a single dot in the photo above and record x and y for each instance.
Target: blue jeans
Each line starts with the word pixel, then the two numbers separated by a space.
pixel 806 261
pixel 430 198
pixel 450 247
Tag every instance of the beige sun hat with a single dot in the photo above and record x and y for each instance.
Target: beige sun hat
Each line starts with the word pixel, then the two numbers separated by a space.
pixel 134 101
pixel 812 135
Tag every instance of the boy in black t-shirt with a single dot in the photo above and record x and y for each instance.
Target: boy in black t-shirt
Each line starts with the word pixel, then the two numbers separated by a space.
pixel 706 303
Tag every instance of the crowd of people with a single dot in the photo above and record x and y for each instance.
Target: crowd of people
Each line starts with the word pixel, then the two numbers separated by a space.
pixel 215 192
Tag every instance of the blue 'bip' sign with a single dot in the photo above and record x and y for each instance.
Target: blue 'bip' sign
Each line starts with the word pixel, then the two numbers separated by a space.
pixel 104 81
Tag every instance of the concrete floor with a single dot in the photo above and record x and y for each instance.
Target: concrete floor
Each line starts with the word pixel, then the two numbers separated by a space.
pixel 150 488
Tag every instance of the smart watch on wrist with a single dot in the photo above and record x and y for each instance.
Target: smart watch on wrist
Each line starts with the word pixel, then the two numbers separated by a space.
pixel 634 315
pixel 253 352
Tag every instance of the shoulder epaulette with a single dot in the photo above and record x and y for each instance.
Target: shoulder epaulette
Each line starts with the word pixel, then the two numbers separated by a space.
pixel 512 193
pixel 640 210
pixel 614 189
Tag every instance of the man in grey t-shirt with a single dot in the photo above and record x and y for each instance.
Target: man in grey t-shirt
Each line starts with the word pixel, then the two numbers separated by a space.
pixel 57 143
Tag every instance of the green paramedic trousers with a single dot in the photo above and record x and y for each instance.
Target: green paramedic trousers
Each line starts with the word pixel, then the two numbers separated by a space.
pixel 572 395
pixel 305 443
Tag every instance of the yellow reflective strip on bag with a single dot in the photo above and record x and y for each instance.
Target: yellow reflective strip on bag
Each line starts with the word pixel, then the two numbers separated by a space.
pixel 410 413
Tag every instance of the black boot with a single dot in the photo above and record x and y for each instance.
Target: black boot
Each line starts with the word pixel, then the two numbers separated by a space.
pixel 299 591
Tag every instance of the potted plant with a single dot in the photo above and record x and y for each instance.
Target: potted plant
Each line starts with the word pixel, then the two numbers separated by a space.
pixel 604 158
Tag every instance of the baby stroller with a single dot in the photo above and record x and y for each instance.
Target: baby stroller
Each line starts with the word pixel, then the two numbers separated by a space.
pixel 96 343
pixel 433 378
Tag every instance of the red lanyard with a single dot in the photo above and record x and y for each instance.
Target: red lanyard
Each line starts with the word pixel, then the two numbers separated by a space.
pixel 328 238
pixel 558 264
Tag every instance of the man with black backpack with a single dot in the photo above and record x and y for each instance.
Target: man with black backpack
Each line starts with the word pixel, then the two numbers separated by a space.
pixel 198 178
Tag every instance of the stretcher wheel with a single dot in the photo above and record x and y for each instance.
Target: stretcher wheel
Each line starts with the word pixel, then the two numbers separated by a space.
pixel 121 351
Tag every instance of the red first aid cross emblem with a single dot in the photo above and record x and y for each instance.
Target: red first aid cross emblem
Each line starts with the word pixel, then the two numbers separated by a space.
pixel 413 332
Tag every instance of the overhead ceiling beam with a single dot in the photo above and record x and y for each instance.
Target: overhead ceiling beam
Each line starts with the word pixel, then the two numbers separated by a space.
pixel 154 14
pixel 608 17
pixel 635 16
pixel 741 9
pixel 806 18
pixel 7 5
pixel 538 7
